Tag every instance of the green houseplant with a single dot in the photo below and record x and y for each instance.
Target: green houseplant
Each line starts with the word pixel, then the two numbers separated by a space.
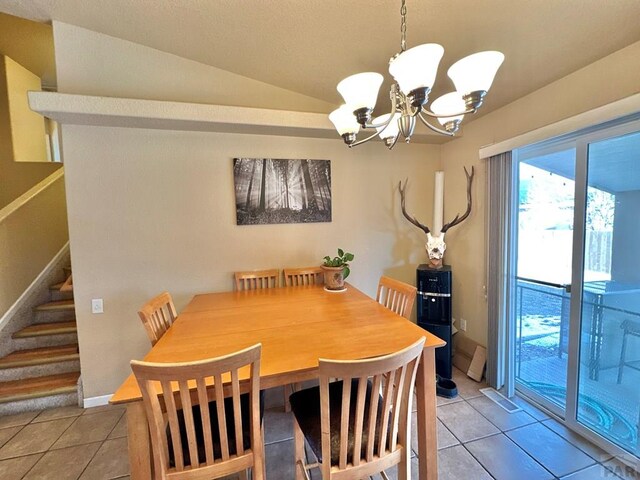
pixel 336 269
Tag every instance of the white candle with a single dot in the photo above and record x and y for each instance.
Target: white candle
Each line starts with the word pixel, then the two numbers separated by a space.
pixel 438 203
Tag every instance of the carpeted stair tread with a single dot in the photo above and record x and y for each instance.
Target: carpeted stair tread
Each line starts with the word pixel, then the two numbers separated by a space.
pixel 38 387
pixel 40 356
pixel 41 329
pixel 56 306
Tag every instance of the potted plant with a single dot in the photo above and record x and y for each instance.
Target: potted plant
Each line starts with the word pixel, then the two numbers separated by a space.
pixel 336 269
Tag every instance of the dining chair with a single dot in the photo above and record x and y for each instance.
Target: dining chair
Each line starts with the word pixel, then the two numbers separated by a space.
pixel 397 296
pixel 303 276
pixel 257 279
pixel 157 316
pixel 632 328
pixel 355 428
pixel 190 442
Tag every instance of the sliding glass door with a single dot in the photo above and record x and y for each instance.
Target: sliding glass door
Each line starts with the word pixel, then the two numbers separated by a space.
pixel 608 390
pixel 575 298
pixel 544 244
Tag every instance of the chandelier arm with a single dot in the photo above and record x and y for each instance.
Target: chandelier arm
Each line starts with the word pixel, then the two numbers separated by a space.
pixel 393 143
pixel 386 124
pixel 364 140
pixel 435 129
pixel 394 109
pixel 429 113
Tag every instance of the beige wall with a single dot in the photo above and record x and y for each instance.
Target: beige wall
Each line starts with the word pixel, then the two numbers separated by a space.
pixel 95 64
pixel 27 126
pixel 31 45
pixel 609 79
pixel 30 237
pixel 153 210
pixel 15 177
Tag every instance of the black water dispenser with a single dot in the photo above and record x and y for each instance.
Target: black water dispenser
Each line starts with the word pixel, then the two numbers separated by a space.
pixel 434 315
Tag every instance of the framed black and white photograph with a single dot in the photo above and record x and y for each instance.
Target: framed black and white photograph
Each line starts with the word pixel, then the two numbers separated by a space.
pixel 270 190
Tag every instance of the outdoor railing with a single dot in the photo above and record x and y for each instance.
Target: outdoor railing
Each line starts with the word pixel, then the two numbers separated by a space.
pixel 551 300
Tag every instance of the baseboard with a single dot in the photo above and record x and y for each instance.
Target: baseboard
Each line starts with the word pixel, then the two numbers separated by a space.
pixel 33 285
pixel 97 401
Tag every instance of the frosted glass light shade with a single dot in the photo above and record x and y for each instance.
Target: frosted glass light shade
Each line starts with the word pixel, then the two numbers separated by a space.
pixel 392 129
pixel 449 103
pixel 360 90
pixel 344 120
pixel 417 67
pixel 475 72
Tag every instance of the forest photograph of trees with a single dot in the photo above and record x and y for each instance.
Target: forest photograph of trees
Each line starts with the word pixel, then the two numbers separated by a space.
pixel 270 190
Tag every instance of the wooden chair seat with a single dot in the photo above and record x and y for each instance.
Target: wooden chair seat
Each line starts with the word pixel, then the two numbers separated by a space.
pixel 245 409
pixel 305 406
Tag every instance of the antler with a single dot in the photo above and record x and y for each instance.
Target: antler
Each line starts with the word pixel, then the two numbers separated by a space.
pixel 459 219
pixel 413 220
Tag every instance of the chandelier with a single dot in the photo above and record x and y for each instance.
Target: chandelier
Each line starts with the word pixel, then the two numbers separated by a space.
pixel 414 72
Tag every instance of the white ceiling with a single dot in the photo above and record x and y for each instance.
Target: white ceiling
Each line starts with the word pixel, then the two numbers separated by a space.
pixel 307 46
pixel 614 163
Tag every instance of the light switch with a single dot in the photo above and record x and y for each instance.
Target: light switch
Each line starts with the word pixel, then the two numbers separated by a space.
pixel 96 306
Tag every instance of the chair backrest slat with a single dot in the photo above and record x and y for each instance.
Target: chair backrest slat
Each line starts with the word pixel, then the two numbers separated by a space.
pixel 258 279
pixel 325 424
pixel 397 296
pixel 205 418
pixel 373 417
pixel 157 315
pixel 237 413
pixel 386 412
pixel 187 410
pixel 359 419
pixel 165 405
pixel 294 277
pixel 174 425
pixel 344 421
pixel 388 418
pixel 397 406
pixel 222 417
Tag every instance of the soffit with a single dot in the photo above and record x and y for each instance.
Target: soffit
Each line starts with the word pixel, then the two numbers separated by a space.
pixel 308 46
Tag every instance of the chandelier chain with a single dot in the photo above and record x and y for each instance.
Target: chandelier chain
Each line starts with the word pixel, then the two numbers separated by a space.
pixel 403 26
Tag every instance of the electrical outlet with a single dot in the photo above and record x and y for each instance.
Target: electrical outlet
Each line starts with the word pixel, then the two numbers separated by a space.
pixel 97 305
pixel 463 325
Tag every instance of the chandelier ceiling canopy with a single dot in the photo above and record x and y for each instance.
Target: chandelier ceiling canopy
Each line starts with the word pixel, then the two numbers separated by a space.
pixel 414 71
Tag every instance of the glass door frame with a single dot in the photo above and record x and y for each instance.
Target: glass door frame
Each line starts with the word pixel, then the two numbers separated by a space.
pixel 577 278
pixel 569 417
pixel 511 383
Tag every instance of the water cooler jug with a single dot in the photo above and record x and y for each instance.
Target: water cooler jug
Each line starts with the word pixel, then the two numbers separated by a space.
pixel 434 315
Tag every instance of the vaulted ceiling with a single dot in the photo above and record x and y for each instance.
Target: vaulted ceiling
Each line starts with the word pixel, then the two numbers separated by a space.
pixel 307 46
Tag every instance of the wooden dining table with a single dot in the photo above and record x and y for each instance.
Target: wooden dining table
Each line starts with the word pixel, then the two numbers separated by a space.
pixel 296 326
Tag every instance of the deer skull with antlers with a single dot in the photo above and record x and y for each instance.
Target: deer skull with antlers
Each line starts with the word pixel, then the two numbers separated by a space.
pixel 435 242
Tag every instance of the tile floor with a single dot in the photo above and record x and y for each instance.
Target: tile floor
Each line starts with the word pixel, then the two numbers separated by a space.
pixel 476 440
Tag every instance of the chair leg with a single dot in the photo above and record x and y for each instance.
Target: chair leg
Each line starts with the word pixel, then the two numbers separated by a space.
pixel 298 437
pixel 258 471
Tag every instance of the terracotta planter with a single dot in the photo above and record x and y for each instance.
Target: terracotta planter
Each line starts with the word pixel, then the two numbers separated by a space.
pixel 333 278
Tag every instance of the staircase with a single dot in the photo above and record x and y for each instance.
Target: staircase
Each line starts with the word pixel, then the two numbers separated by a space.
pixel 43 366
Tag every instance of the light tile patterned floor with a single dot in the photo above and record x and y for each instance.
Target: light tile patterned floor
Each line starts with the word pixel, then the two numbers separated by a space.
pixel 477 440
